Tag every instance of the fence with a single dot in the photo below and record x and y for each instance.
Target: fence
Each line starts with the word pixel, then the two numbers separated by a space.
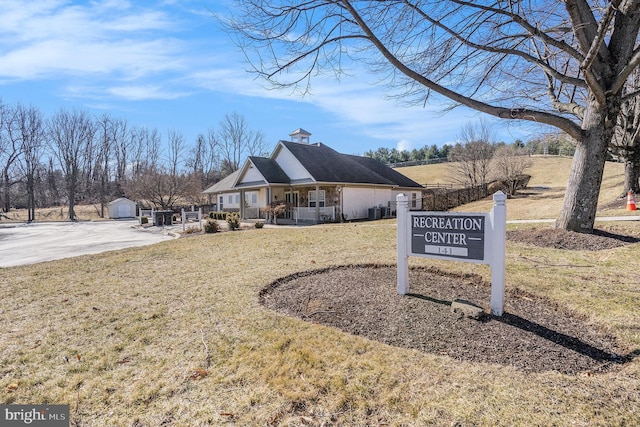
pixel 327 213
pixel 443 199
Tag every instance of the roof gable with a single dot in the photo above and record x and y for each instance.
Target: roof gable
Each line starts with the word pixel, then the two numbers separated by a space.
pixel 271 170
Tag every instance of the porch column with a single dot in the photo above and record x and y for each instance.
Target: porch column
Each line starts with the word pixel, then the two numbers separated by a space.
pixel 269 196
pixel 242 204
pixel 318 203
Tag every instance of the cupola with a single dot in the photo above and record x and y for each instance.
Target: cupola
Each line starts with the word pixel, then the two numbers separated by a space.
pixel 300 136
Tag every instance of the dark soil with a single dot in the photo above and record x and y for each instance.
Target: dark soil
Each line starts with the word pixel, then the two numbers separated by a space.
pixel 533 335
pixel 562 239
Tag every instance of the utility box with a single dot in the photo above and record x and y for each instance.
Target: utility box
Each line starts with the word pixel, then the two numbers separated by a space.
pixel 162 218
pixel 374 213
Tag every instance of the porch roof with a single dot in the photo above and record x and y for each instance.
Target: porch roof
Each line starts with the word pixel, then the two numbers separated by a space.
pixel 270 170
pixel 224 185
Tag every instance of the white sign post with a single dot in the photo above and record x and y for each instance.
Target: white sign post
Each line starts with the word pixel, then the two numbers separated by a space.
pixel 469 237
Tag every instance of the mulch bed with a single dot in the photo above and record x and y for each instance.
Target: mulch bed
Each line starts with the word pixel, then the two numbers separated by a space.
pixel 562 239
pixel 533 335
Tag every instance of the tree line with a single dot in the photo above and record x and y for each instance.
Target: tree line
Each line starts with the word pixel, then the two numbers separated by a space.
pixel 554 144
pixel 75 157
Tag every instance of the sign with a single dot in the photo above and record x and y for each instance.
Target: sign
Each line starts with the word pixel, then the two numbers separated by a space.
pixel 469 237
pixel 459 237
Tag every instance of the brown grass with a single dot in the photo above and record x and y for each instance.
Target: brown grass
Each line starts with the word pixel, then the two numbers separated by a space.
pixel 544 197
pixel 59 213
pixel 173 334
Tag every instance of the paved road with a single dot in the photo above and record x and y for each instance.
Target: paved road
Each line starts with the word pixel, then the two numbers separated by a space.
pixel 31 243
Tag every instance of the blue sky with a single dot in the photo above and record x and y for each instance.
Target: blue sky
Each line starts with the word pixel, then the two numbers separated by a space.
pixel 168 65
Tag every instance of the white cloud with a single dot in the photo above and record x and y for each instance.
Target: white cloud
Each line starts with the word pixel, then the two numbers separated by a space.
pixel 60 38
pixel 404 145
pixel 137 93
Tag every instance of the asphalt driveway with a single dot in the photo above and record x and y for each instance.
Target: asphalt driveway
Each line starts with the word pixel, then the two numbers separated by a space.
pixel 31 243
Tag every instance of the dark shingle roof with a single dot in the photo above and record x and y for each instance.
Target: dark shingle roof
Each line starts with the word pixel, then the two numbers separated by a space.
pixel 270 170
pixel 327 165
pixel 385 171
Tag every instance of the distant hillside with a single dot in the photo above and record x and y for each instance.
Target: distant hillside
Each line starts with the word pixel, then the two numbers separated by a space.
pixel 543 198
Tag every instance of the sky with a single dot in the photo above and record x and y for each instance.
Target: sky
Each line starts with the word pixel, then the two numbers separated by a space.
pixel 168 65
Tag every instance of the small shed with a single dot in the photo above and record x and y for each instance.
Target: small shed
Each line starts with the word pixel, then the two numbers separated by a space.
pixel 122 208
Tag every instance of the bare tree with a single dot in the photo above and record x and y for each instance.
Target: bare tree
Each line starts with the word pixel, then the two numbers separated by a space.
pixel 162 189
pixel 121 137
pixel 203 159
pixel 558 63
pixel 508 166
pixel 237 141
pixel 9 154
pixel 27 126
pixel 71 136
pixel 626 140
pixel 106 134
pixel 471 157
pixel 176 150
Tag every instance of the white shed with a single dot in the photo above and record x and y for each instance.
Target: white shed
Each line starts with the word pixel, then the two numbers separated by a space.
pixel 122 208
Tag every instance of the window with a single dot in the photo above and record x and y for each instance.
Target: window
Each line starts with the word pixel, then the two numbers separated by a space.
pixel 230 199
pixel 251 198
pixel 237 199
pixel 312 199
pixel 414 200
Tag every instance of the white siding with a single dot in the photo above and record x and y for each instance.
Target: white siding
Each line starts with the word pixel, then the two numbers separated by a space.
pixel 358 200
pixel 233 204
pixel 251 175
pixel 290 165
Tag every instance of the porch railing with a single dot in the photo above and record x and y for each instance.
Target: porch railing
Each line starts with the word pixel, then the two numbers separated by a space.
pixel 251 213
pixel 309 214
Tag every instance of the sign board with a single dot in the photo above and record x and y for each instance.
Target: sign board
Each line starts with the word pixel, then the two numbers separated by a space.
pixel 469 237
pixel 458 237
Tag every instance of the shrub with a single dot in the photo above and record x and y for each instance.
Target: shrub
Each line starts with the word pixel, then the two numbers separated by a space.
pixel 233 219
pixel 218 215
pixel 259 224
pixel 192 230
pixel 144 220
pixel 211 226
pixel 275 210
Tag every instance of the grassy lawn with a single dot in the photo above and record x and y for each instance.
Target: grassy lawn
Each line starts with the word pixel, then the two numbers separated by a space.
pixel 545 195
pixel 173 334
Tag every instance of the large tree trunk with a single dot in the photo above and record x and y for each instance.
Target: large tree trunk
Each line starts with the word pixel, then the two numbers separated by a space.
pixel 6 189
pixel 583 189
pixel 632 171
